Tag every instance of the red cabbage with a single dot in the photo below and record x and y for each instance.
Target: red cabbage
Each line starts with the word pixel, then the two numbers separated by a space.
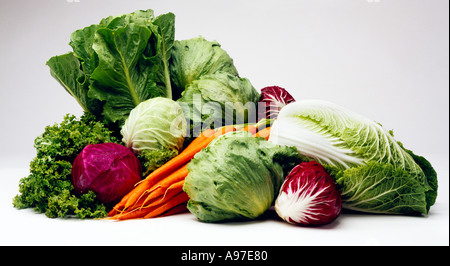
pixel 308 196
pixel 273 99
pixel 110 170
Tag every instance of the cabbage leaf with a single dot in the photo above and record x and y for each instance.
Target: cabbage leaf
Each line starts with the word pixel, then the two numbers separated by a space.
pixel 381 188
pixel 155 124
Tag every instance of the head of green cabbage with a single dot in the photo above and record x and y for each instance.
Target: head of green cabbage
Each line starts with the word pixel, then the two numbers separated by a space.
pixel 155 131
pixel 237 177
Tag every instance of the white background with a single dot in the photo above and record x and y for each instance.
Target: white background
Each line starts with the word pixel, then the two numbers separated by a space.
pixel 386 59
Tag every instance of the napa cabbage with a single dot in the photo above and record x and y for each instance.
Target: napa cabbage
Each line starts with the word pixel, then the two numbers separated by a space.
pixel 373 171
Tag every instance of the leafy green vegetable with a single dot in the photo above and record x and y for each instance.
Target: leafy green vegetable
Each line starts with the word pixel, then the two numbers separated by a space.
pixel 164 37
pixel 211 92
pixel 237 177
pixel 81 42
pixel 381 188
pixel 155 130
pixel 48 188
pixel 430 174
pixel 219 99
pixel 122 70
pixel 375 173
pixel 196 57
pixel 66 69
pixel 153 159
pixel 118 63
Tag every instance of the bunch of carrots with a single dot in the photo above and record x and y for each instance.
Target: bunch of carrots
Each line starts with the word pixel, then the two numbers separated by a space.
pixel 161 192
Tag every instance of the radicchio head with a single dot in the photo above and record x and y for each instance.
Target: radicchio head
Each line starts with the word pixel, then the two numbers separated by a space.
pixel 308 196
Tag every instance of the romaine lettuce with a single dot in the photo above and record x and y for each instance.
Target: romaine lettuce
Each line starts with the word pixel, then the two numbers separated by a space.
pixel 119 63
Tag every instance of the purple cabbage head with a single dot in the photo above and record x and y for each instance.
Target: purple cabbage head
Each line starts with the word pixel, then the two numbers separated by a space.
pixel 273 99
pixel 110 170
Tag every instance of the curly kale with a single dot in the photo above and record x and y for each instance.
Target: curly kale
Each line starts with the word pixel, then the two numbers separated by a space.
pixel 48 188
pixel 153 159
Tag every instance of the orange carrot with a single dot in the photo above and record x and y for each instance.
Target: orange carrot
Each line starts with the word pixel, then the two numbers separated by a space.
pixel 265 133
pixel 251 129
pixel 157 204
pixel 165 198
pixel 174 189
pixel 175 210
pixel 175 177
pixel 205 134
pixel 165 191
pixel 112 212
pixel 224 130
pixel 134 214
pixel 177 200
pixel 122 209
pixel 160 187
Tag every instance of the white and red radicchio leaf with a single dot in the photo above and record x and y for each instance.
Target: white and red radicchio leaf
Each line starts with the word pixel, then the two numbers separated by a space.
pixel 273 99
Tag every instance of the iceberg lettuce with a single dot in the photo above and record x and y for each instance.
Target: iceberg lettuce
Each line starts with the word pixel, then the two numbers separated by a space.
pixel 237 177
